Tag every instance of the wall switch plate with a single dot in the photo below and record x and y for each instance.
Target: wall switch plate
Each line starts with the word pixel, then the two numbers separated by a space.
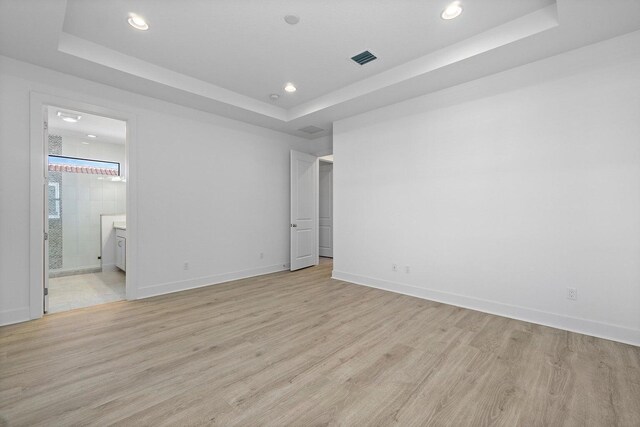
pixel 572 293
pixel 407 269
pixel 261 255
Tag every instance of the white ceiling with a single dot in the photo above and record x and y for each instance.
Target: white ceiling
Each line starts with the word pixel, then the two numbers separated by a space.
pixel 247 47
pixel 227 56
pixel 105 129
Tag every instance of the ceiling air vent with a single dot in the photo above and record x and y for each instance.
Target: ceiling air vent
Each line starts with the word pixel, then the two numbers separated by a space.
pixel 311 129
pixel 364 57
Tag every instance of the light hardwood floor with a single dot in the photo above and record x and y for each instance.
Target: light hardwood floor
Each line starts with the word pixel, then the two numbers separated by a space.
pixel 302 349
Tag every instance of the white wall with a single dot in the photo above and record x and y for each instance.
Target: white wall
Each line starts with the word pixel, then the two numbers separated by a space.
pixel 211 191
pixel 323 146
pixel 501 201
pixel 84 198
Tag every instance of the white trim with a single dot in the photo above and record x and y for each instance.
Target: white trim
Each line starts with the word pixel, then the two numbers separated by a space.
pixel 73 271
pixel 554 320
pixel 110 267
pixel 15 315
pixel 183 285
pixel 317 210
pixel 36 208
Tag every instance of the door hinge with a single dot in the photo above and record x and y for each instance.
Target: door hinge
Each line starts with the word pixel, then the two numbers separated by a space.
pixel 45 125
pixel 46 291
pixel 46 236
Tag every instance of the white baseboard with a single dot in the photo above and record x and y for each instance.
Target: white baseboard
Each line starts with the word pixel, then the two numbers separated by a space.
pixel 109 267
pixel 183 285
pixel 15 315
pixel 573 324
pixel 74 271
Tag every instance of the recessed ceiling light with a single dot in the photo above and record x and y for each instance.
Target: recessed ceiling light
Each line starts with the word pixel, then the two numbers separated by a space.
pixel 292 19
pixel 452 11
pixel 85 142
pixel 289 87
pixel 68 117
pixel 138 22
pixel 274 96
pixel 91 136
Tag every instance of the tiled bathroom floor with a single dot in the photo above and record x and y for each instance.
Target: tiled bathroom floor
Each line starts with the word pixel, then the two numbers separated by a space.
pixel 84 290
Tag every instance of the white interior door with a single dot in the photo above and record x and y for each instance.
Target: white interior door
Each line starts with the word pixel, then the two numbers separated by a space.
pixel 304 210
pixel 46 192
pixel 325 218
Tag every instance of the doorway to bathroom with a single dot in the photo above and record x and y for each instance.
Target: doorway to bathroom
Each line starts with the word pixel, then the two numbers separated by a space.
pixel 85 209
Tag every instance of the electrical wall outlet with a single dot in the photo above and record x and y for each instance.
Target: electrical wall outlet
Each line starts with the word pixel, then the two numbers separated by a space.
pixel 572 293
pixel 394 267
pixel 407 269
pixel 185 266
pixel 261 255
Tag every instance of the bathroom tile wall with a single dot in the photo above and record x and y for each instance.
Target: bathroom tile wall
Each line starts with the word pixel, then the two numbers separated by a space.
pixel 55 224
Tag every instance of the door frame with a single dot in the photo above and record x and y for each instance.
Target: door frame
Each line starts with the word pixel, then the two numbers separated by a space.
pixel 319 196
pixel 37 167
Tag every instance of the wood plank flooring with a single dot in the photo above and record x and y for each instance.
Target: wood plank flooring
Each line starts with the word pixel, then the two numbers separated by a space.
pixel 302 349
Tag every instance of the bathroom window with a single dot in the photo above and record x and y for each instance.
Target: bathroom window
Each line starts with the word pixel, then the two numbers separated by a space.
pixel 54 200
pixel 78 165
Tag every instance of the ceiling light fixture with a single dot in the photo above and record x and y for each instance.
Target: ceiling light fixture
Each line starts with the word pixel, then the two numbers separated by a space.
pixel 452 11
pixel 274 96
pixel 137 22
pixel 289 87
pixel 68 117
pixel 291 19
pixel 91 136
